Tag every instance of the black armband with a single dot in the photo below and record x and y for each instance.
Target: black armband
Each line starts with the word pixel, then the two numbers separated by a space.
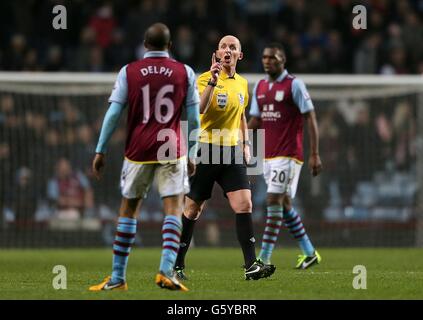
pixel 211 83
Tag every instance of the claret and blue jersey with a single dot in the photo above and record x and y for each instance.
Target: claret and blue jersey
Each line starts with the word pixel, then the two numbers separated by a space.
pixel 155 89
pixel 281 105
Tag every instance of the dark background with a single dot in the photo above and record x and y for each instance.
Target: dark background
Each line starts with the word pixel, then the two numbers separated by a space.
pixel 318 34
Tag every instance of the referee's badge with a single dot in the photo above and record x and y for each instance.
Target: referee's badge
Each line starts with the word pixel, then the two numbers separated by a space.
pixel 222 99
pixel 279 95
pixel 241 99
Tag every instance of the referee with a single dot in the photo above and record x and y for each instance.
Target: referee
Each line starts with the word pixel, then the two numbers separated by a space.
pixel 223 99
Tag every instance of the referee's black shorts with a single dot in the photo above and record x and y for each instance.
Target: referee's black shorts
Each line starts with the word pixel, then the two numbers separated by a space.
pixel 228 170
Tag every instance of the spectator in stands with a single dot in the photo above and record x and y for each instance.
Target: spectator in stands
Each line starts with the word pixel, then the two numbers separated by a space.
pixel 405 132
pixel 96 60
pixel 117 52
pixel 333 136
pixel 397 63
pixel 367 56
pixel 69 192
pixel 54 59
pixel 103 23
pixel 31 61
pixel 7 105
pixel 6 172
pixel 184 46
pixel 83 148
pixel 315 37
pixel 22 198
pixel 14 56
pixel 335 54
pixel 54 147
pixel 413 35
pixel 70 114
pixel 297 55
pixel 13 125
pixel 366 155
pixel 82 53
pixel 141 16
pixel 386 135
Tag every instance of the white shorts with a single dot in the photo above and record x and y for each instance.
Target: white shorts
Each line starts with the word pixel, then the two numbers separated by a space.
pixel 281 176
pixel 136 178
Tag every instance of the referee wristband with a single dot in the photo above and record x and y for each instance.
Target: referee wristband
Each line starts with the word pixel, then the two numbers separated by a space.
pixel 211 83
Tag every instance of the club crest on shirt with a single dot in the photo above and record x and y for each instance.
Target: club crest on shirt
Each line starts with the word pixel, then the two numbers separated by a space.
pixel 222 99
pixel 241 99
pixel 279 95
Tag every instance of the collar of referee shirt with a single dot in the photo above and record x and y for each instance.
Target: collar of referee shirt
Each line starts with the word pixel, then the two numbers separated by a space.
pixel 223 75
pixel 280 77
pixel 156 54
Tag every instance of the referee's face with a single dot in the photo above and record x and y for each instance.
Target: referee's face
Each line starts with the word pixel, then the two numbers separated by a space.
pixel 273 61
pixel 229 51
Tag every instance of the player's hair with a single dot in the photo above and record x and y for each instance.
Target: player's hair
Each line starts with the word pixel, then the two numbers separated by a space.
pixel 276 45
pixel 157 36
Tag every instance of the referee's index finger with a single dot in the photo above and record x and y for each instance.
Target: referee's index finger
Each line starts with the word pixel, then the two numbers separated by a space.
pixel 213 58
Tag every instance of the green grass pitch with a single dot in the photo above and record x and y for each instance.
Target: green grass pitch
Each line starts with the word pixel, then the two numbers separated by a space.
pixel 215 274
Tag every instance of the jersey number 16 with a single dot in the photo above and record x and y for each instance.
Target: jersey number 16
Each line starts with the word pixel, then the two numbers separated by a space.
pixel 161 101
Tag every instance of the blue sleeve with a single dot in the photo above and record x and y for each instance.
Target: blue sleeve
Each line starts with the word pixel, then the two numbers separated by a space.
pixel 254 108
pixel 301 97
pixel 192 103
pixel 120 89
pixel 192 93
pixel 110 123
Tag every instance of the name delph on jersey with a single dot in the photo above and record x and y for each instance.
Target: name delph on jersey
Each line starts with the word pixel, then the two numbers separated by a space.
pixel 156 70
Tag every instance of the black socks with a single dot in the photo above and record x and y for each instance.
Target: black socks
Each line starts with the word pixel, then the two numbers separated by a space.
pixel 186 236
pixel 245 235
pixel 244 231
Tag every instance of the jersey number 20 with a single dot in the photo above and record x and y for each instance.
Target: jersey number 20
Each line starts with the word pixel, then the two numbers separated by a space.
pixel 278 176
pixel 161 100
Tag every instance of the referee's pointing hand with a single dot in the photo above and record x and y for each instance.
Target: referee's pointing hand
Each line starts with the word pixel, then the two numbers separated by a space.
pixel 215 68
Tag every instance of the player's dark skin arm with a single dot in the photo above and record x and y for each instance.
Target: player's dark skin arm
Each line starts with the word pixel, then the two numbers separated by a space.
pixel 254 123
pixel 314 162
pixel 98 164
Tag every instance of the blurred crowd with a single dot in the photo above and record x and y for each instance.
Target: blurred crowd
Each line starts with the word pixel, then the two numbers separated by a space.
pixel 366 138
pixel 45 158
pixel 46 150
pixel 318 35
pixel 46 153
